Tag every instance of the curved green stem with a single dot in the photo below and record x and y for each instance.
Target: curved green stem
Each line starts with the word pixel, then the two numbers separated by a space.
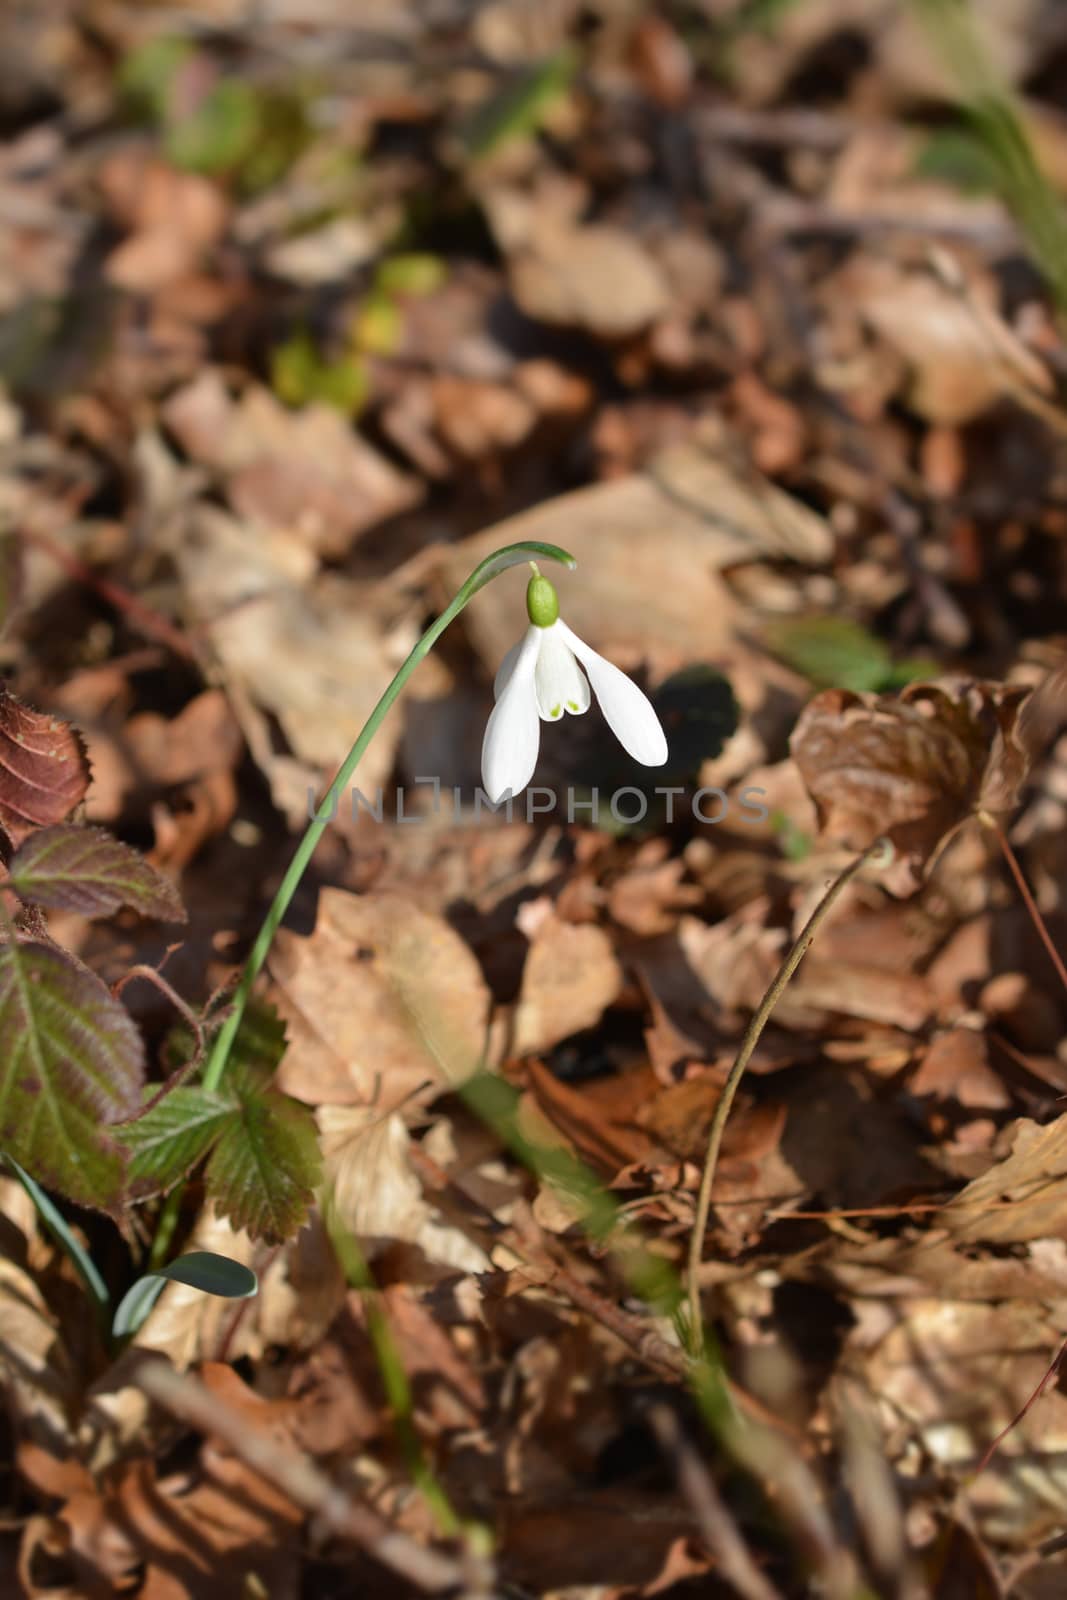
pixel 511 555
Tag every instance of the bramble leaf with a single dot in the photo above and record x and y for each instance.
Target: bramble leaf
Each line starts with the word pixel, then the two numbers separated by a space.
pixel 262 1144
pixel 72 1062
pixel 71 868
pixel 168 1141
pixel 43 768
pixel 266 1164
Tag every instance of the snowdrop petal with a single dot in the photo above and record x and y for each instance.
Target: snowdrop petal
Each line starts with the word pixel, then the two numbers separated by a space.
pixel 506 668
pixel 627 711
pixel 512 735
pixel 559 680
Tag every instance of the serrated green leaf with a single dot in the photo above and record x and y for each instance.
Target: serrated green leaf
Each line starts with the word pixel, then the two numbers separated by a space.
pixel 86 870
pixel 179 1130
pixel 200 1269
pixel 266 1163
pixel 833 652
pixel 168 1141
pixel 72 1062
pixel 260 1042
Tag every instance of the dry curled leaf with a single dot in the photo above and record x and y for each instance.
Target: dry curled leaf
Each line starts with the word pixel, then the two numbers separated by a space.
pixel 375 1193
pixel 913 766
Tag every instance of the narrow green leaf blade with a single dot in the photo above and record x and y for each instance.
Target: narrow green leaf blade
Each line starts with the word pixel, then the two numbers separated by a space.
pixel 213 1274
pixel 132 1310
pixel 70 868
pixel 60 1229
pixel 72 1062
pixel 200 1269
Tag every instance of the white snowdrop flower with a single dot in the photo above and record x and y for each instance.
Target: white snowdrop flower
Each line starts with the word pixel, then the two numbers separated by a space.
pixel 539 679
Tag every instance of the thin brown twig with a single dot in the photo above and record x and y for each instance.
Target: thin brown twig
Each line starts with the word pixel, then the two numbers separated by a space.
pixel 335 1510
pixel 154 976
pixel 1028 900
pixel 880 848
pixel 145 618
pixel 656 1352
pixel 717 1527
pixel 633 1332
pixel 1032 1399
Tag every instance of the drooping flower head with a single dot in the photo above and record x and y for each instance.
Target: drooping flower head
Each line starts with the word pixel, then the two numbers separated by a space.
pixel 540 679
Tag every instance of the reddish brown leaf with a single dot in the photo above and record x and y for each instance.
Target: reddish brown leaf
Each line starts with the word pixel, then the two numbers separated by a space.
pixel 72 1062
pixel 912 765
pixel 1020 742
pixel 43 768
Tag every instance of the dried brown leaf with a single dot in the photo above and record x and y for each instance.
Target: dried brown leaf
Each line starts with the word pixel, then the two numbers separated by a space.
pixel 1021 1197
pixel 913 766
pixel 570 977
pixel 380 1000
pixel 306 470
pixel 956 1067
pixel 39 1386
pixel 594 277
pixel 708 512
pixel 375 1193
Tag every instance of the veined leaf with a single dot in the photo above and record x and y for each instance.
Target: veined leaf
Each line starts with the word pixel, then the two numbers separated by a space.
pixel 43 769
pixel 200 1269
pixel 266 1164
pixel 70 868
pixel 168 1141
pixel 262 1145
pixel 260 1041
pixel 72 1062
